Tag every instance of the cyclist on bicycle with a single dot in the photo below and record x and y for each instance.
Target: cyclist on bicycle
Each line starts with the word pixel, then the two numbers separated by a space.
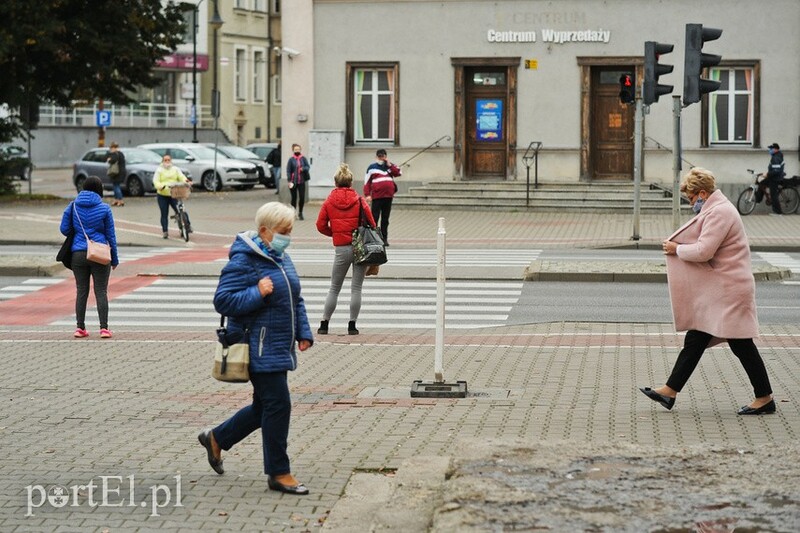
pixel 166 176
pixel 775 174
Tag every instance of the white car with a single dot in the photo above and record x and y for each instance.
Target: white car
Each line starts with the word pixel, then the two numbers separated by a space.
pixel 199 160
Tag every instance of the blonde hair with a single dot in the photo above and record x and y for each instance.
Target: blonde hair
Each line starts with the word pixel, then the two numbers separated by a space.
pixel 698 179
pixel 274 214
pixel 343 176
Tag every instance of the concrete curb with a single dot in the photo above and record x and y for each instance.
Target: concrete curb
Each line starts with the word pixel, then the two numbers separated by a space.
pixel 378 501
pixel 619 271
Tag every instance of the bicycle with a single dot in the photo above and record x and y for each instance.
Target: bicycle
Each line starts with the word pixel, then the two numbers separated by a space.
pixel 788 196
pixel 180 191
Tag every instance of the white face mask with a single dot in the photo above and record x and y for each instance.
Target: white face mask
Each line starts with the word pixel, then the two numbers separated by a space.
pixel 166 164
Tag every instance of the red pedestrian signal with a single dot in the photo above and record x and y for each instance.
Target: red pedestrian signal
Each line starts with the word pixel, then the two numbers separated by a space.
pixel 627 89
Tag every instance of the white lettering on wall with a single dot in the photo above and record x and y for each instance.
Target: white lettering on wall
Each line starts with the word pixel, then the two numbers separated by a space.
pixel 494 36
pixel 550 36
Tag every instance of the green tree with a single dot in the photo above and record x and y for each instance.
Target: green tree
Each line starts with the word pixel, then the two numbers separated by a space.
pixel 60 51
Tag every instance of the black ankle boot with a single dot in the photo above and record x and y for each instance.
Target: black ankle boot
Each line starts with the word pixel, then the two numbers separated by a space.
pixel 323 327
pixel 351 328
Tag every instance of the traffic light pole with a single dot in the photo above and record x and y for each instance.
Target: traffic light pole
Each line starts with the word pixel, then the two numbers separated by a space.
pixel 637 165
pixel 676 162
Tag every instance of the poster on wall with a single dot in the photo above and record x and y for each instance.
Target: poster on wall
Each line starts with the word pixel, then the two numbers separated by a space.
pixel 489 115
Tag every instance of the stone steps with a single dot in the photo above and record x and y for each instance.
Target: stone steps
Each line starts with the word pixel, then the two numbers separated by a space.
pixel 602 197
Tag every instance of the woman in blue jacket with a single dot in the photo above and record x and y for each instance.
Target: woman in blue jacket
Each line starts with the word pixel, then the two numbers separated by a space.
pixel 88 213
pixel 259 292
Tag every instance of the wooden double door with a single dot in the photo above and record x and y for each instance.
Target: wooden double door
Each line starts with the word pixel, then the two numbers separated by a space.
pixel 611 126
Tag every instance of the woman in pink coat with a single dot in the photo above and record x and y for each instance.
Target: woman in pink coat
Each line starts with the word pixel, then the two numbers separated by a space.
pixel 712 291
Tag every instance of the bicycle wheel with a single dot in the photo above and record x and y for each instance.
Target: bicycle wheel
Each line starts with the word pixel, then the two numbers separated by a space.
pixel 184 224
pixel 789 199
pixel 747 201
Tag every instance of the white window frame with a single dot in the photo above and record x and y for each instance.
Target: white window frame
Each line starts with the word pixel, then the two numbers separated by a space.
pixel 240 74
pixel 374 93
pixel 731 92
pixel 277 98
pixel 260 6
pixel 259 72
pixel 240 4
pixel 276 7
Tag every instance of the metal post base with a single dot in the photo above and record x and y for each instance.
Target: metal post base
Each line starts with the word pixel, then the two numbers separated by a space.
pixel 433 389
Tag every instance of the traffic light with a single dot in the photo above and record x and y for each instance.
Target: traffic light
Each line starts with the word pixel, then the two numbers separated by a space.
pixel 627 89
pixel 694 87
pixel 653 69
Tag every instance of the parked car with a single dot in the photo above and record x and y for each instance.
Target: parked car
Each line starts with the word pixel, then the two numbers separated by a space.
pixel 237 152
pixel 19 164
pixel 140 165
pixel 262 150
pixel 200 160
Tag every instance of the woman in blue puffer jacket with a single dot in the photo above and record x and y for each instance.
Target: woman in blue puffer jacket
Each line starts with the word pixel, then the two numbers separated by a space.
pixel 259 292
pixel 97 221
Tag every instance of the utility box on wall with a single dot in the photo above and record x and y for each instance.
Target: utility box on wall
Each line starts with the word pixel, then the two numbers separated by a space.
pixel 325 153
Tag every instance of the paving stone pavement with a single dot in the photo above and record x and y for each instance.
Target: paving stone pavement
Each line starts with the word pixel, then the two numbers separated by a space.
pixel 75 410
pixel 128 410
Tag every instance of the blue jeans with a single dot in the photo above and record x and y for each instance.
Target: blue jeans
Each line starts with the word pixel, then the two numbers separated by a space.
pixel 117 191
pixel 276 171
pixel 270 411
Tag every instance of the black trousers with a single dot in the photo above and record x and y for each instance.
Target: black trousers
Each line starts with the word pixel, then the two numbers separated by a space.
pixel 84 272
pixel 299 190
pixel 696 343
pixel 381 209
pixel 774 192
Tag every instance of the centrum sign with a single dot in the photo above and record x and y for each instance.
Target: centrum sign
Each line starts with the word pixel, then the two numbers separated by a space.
pixel 549 36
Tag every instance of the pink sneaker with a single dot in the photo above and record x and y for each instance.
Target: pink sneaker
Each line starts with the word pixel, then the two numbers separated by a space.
pixel 80 333
pixel 105 334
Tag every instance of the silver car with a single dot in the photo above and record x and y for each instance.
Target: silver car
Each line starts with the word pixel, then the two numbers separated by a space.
pixel 199 160
pixel 243 154
pixel 140 165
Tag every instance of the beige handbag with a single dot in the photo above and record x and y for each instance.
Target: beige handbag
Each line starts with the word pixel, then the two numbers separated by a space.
pixel 231 362
pixel 97 252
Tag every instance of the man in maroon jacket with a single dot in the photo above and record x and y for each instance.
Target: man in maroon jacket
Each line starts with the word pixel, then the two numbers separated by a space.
pixel 379 189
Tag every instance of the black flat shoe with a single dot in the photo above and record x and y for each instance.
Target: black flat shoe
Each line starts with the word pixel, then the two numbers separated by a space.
pixel 766 409
pixel 299 489
pixel 205 439
pixel 666 401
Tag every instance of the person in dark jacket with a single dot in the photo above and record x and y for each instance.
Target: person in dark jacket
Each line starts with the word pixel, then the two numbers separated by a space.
pixel 274 160
pixel 116 156
pixel 297 175
pixel 379 189
pixel 89 214
pixel 259 292
pixel 775 174
pixel 338 217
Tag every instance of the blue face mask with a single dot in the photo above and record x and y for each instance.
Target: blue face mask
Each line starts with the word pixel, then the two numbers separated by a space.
pixel 279 243
pixel 698 205
pixel 771 151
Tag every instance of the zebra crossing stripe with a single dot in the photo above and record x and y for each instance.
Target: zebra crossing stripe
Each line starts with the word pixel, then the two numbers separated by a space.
pixel 385 304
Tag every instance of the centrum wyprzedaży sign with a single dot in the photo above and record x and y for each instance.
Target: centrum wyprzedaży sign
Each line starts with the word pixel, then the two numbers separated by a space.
pixel 549 36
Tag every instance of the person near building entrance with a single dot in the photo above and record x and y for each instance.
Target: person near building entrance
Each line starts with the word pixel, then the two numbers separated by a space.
pixel 379 190
pixel 274 161
pixel 775 173
pixel 297 175
pixel 116 174
pixel 712 291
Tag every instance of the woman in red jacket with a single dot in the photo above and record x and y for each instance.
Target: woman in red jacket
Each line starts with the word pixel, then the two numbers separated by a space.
pixel 338 217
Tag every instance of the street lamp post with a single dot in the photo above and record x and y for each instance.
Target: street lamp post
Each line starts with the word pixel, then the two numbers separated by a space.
pixel 194 72
pixel 216 23
pixel 186 6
